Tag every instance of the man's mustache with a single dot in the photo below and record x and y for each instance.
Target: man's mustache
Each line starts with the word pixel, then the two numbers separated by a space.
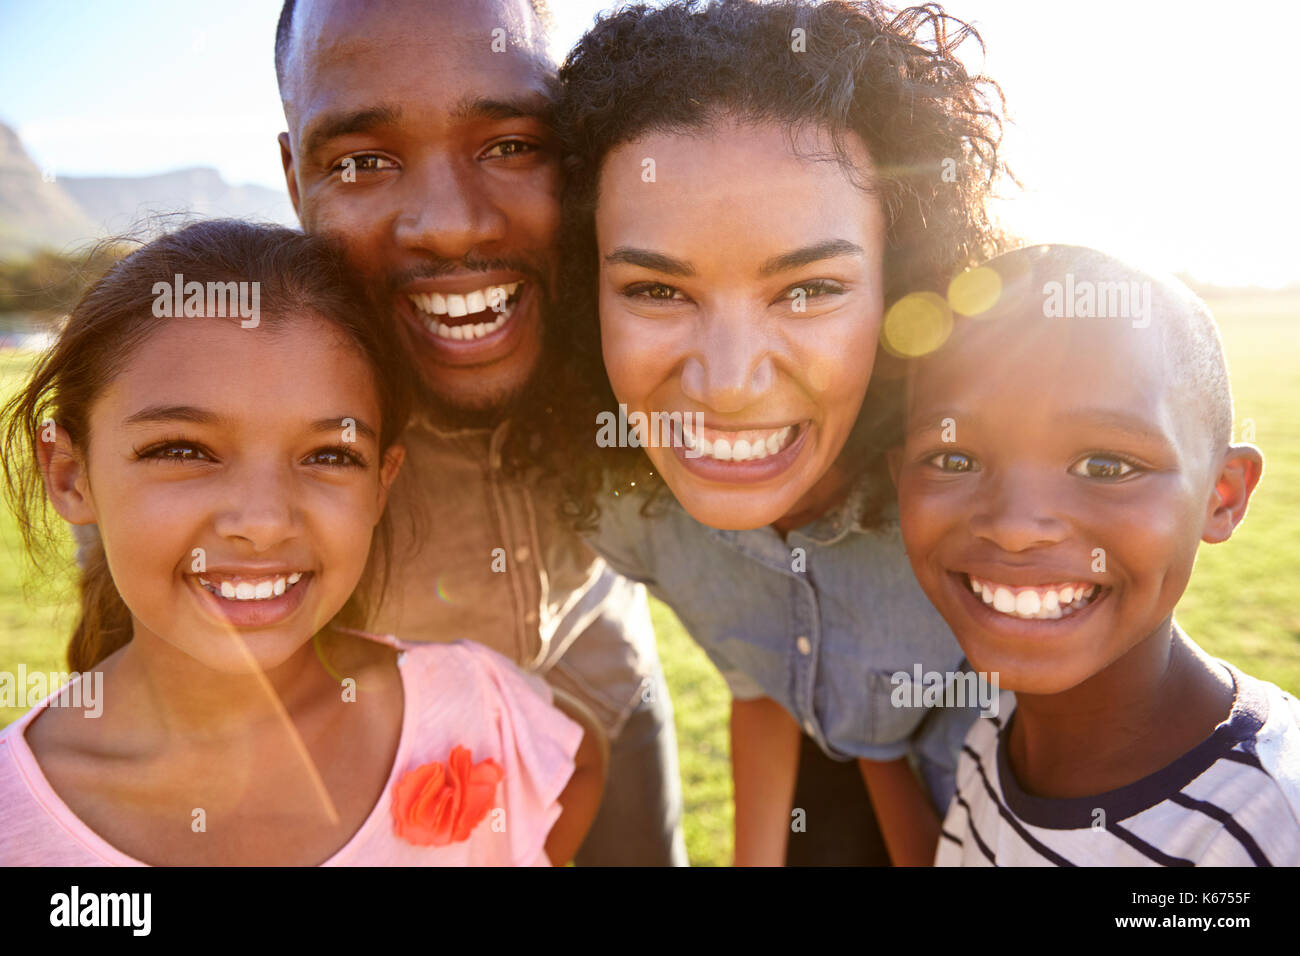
pixel 436 269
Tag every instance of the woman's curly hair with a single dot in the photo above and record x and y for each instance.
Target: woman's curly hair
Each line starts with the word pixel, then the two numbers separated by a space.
pixel 893 78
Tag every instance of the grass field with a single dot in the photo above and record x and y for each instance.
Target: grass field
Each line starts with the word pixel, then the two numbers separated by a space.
pixel 1241 603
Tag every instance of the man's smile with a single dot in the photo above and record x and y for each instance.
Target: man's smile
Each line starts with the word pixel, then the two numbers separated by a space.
pixel 470 322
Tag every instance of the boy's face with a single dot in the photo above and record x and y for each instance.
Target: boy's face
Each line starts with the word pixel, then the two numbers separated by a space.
pixel 419 137
pixel 1045 457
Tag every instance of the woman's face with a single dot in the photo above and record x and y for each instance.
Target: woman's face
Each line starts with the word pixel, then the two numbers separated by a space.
pixel 236 506
pixel 741 287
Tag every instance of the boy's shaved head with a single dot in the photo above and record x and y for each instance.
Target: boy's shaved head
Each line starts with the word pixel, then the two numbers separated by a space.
pixel 1160 313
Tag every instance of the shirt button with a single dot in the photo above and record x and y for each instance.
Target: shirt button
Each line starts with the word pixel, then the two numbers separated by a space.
pixel 521 553
pixel 531 617
pixel 804 645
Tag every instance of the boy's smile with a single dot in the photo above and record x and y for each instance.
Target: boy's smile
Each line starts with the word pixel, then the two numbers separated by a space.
pixel 1058 526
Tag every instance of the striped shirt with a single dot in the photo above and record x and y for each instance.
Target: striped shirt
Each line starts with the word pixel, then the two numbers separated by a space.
pixel 1232 800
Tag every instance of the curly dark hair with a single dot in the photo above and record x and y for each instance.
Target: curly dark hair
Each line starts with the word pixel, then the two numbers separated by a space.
pixel 891 77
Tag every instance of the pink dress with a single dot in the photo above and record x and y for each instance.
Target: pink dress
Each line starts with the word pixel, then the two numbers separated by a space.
pixel 460 694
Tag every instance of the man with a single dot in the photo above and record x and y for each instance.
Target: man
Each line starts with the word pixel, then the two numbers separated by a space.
pixel 418 135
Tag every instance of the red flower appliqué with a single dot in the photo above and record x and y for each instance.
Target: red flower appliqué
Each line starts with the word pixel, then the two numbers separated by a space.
pixel 434 805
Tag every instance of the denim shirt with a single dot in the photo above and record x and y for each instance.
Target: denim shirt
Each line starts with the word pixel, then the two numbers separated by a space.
pixel 482 557
pixel 818 622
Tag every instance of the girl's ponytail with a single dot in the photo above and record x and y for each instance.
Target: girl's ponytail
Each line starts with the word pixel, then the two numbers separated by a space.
pixel 104 624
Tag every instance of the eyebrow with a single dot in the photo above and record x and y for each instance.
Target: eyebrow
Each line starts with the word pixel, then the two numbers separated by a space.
pixel 797 258
pixel 818 251
pixel 163 414
pixel 533 106
pixel 344 122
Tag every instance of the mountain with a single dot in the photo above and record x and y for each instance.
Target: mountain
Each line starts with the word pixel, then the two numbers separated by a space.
pixel 34 212
pixel 73 210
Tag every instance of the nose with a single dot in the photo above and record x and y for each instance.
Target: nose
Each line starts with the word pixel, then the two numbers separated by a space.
pixel 447 210
pixel 731 366
pixel 1018 511
pixel 258 509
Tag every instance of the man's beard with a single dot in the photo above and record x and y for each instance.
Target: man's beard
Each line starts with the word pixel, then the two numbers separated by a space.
pixel 491 408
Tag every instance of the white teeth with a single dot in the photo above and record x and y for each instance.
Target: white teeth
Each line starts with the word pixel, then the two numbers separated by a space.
pixel 466 332
pixel 1041 603
pixel 1028 603
pixel 262 590
pixel 492 300
pixel 741 449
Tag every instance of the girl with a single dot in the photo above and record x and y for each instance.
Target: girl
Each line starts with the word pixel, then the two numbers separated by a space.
pixel 751 184
pixel 236 462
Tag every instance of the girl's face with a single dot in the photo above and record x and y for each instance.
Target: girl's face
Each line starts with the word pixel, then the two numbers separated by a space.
pixel 236 479
pixel 741 285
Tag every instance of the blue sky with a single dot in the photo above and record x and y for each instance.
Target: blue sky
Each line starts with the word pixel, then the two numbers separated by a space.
pixel 1162 131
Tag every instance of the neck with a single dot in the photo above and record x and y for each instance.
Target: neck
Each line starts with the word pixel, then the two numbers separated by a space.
pixel 185 701
pixel 1129 720
pixel 829 492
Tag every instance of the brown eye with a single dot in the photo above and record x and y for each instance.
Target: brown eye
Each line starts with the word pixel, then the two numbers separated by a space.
pixel 952 461
pixel 333 457
pixel 175 451
pixel 1104 467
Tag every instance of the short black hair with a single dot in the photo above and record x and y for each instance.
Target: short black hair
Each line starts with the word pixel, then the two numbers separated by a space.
pixel 1185 326
pixel 284 27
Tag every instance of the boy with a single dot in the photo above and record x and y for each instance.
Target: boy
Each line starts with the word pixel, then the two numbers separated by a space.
pixel 1066 451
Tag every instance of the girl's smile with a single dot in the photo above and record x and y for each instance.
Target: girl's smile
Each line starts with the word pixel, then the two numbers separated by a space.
pixel 251 600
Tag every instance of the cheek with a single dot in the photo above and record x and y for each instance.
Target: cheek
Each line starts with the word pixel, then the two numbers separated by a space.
pixel 634 360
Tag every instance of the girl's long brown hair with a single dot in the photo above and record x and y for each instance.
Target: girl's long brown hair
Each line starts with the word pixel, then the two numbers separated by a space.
pixel 298 275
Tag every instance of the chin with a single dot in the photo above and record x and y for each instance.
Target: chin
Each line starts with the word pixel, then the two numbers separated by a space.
pixel 727 510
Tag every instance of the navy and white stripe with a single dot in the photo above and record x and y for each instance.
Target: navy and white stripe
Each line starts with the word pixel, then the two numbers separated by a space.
pixel 1233 800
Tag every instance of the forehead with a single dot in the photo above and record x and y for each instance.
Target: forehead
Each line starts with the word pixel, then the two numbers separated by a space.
pixel 425 58
pixel 250 373
pixel 740 180
pixel 1018 366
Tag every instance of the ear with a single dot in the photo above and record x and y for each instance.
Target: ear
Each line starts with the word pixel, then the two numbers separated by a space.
pixel 66 481
pixel 1239 472
pixel 894 457
pixel 290 175
pixel 388 470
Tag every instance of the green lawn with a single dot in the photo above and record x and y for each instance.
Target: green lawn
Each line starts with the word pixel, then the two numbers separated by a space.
pixel 1240 605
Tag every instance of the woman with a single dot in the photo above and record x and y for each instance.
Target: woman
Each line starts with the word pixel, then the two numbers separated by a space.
pixel 750 185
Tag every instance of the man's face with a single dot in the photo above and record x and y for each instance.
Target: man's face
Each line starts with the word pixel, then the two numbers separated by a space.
pixel 418 137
